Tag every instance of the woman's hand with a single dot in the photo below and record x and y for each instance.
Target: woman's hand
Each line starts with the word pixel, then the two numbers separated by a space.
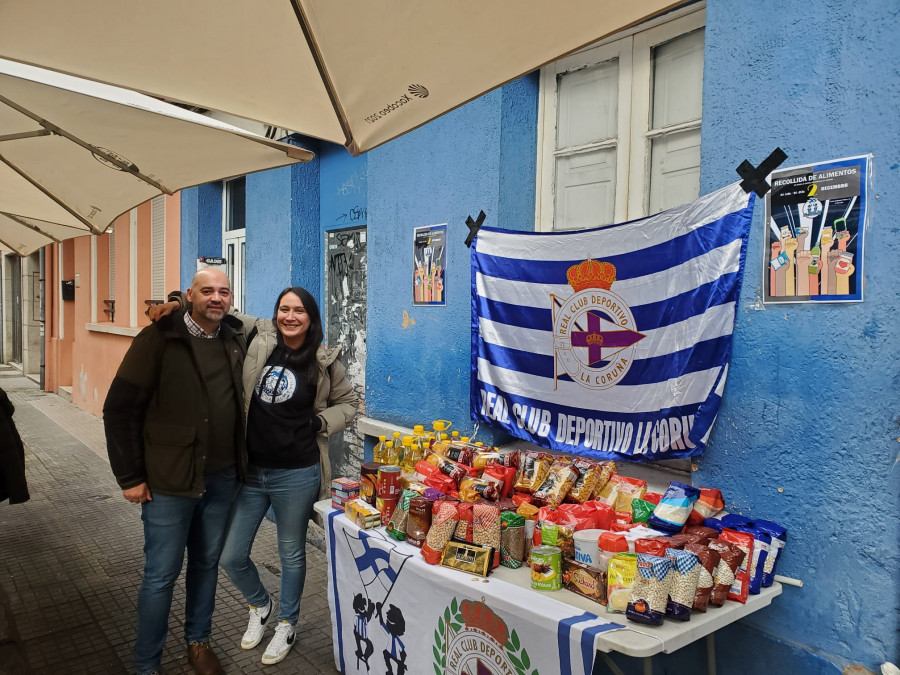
pixel 156 312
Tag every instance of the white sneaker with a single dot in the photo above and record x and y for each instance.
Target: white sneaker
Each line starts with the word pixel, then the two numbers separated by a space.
pixel 257 625
pixel 281 643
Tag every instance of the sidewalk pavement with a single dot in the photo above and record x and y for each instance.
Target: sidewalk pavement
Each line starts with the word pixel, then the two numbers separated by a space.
pixel 71 562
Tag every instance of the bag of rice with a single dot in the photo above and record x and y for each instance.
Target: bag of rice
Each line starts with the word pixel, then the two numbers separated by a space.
pixel 651 590
pixel 685 576
pixel 709 561
pixel 707 505
pixel 620 581
pixel 674 508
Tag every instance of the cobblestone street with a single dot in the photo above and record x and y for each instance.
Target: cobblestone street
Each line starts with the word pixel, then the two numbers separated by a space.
pixel 71 560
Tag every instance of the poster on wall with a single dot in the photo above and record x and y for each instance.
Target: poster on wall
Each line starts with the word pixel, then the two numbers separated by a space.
pixel 614 342
pixel 816 216
pixel 429 265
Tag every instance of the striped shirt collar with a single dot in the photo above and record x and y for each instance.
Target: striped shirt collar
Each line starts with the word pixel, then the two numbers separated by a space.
pixel 195 329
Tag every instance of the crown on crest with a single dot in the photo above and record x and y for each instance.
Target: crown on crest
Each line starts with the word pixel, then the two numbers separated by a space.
pixel 591 274
pixel 479 615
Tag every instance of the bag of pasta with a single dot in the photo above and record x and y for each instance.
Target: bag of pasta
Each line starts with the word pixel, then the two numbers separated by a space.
pixel 607 469
pixel 535 468
pixel 620 490
pixel 484 457
pixel 473 489
pixel 559 481
pixel 589 473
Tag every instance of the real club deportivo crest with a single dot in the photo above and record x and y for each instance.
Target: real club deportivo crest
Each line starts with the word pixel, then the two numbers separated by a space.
pixel 594 331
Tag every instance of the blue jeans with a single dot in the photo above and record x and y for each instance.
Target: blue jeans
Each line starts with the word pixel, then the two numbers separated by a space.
pixel 171 526
pixel 291 493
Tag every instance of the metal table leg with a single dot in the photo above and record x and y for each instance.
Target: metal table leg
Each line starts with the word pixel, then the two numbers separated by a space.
pixel 711 654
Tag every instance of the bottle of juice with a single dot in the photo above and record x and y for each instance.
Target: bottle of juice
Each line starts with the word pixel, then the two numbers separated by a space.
pixel 378 451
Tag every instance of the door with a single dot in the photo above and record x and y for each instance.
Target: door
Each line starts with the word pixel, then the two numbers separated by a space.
pixel 345 327
pixel 15 278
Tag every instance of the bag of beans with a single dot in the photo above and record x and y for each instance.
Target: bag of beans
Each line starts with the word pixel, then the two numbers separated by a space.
pixel 779 539
pixel 654 546
pixel 706 532
pixel 709 561
pixel 730 559
pixel 685 576
pixel 443 524
pixel 744 541
pixel 512 539
pixel 651 590
pixel 761 545
pixel 486 528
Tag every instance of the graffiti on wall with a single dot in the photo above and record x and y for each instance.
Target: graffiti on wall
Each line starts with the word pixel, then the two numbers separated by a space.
pixel 345 327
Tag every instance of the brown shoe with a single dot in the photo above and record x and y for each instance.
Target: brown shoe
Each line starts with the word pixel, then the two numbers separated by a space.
pixel 203 659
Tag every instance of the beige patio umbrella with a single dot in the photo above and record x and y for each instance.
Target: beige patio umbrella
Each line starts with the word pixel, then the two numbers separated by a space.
pixel 355 72
pixel 76 154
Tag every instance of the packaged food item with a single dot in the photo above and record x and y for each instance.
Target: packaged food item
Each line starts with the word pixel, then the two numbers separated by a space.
pixel 740 589
pixel 708 504
pixel 641 510
pixel 503 476
pixel 655 546
pixel 673 509
pixel 473 489
pixel 396 526
pixel 368 476
pixel 761 545
pixel 512 539
pixel 586 549
pixel 520 498
pixel 584 580
pixel 609 545
pixel 486 528
pixel 681 540
pixel 362 514
pixel 638 531
pixel 607 469
pixel 683 588
pixel 529 538
pixel 560 536
pixel 465 515
pixel 439 481
pixel 709 561
pixel 705 532
pixel 779 539
pixel 730 559
pixel 556 485
pixel 528 511
pixel 652 497
pixel 469 558
pixel 343 484
pixel 546 568
pixel 448 467
pixel 589 473
pixel 621 490
pixel 616 526
pixel 483 457
pixel 387 482
pixel 418 521
pixel 620 582
pixel 651 590
pixel 386 507
pixel 535 467
pixel 462 453
pixel 443 524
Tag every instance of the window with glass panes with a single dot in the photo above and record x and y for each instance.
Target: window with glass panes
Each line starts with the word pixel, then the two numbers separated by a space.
pixel 620 127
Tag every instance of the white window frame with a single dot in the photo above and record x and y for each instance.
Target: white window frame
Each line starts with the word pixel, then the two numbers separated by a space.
pixel 633 49
pixel 235 265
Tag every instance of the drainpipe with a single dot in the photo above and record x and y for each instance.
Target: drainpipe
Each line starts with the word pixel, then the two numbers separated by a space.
pixel 43 295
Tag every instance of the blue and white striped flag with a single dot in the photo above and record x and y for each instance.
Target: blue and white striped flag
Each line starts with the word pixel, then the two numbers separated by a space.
pixel 614 341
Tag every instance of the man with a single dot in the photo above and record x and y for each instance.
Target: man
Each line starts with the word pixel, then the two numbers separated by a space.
pixel 175 436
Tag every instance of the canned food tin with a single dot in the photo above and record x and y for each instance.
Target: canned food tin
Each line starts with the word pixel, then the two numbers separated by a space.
pixel 368 475
pixel 386 506
pixel 546 574
pixel 387 484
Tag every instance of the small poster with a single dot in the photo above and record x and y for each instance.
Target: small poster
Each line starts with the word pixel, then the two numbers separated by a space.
pixel 429 265
pixel 816 216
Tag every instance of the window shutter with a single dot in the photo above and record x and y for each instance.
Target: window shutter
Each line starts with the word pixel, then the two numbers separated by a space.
pixel 158 248
pixel 112 264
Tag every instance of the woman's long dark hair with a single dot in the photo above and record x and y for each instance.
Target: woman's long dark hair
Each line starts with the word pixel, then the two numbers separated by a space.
pixel 303 360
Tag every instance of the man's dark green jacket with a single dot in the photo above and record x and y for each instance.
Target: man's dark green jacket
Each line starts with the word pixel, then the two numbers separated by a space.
pixel 157 411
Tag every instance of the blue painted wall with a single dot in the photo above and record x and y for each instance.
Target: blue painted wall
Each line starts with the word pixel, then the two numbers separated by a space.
pixel 201 227
pixel 306 244
pixel 268 257
pixel 807 435
pixel 190 224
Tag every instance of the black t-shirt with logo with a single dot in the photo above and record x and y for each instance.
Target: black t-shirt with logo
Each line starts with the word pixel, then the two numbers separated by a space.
pixel 279 430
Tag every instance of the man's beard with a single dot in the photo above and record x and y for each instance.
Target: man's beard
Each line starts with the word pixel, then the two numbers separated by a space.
pixel 213 314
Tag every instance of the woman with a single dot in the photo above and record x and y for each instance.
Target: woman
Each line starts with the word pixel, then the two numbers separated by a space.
pixel 295 395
